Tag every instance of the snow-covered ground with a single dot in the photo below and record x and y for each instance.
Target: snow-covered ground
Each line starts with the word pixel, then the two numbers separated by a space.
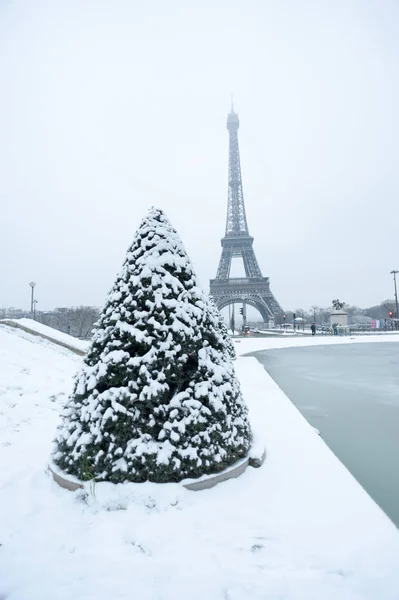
pixel 253 344
pixel 298 528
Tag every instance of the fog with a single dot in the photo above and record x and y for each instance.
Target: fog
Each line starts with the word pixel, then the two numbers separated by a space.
pixel 108 108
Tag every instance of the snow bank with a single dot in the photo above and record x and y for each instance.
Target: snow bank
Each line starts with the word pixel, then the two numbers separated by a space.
pixel 298 528
pixel 246 345
pixel 49 333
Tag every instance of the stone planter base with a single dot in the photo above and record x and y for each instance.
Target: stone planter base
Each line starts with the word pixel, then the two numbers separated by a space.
pixel 204 483
pixel 64 482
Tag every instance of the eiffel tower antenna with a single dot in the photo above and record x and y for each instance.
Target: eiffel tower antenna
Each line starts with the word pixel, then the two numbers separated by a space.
pixel 254 289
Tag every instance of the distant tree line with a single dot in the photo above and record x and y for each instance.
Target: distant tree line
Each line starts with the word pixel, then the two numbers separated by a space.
pixel 356 315
pixel 75 320
pixel 79 320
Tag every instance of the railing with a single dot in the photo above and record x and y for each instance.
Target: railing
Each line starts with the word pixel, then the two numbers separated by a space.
pixel 239 281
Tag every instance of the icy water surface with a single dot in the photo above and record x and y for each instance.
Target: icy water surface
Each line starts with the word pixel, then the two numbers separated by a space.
pixel 350 393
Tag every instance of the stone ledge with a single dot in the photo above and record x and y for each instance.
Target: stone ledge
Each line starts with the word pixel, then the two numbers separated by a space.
pixel 204 483
pixel 64 482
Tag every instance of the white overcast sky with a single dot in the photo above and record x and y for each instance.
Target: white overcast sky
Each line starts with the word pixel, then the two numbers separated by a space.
pixel 108 108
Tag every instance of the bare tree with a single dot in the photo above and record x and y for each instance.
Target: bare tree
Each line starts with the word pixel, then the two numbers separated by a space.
pixel 77 321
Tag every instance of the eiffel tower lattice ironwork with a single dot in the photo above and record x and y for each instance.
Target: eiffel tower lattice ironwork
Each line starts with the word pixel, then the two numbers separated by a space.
pixel 253 289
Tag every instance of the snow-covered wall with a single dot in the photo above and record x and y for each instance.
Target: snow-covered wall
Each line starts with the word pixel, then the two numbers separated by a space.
pixel 254 344
pixel 48 333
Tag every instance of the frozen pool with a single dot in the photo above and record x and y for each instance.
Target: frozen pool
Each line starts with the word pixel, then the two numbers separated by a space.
pixel 350 393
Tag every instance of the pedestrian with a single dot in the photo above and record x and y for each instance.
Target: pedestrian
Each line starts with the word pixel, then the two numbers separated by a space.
pixel 313 328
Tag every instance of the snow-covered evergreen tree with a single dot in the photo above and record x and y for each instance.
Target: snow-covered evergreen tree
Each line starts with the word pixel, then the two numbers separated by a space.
pixel 157 398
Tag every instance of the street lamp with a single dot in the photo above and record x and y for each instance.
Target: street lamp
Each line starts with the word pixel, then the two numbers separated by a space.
pixel 314 313
pixel 394 272
pixel 32 300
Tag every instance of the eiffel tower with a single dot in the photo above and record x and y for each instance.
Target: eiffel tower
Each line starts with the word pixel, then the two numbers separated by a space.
pixel 253 289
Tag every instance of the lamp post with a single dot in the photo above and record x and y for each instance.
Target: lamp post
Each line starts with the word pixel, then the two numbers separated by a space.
pixel 32 299
pixel 394 272
pixel 314 314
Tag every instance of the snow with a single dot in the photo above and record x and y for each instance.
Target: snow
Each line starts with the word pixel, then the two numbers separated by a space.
pixel 51 333
pixel 255 344
pixel 298 528
pixel 185 351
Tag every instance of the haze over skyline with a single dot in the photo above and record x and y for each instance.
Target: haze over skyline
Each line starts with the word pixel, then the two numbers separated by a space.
pixel 109 108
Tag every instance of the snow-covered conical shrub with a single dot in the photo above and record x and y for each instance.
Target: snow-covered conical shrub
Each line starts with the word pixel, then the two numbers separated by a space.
pixel 157 398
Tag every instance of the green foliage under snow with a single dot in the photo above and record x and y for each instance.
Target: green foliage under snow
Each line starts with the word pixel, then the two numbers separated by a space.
pixel 157 398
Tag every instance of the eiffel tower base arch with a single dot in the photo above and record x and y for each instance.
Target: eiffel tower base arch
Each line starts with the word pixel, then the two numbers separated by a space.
pixel 253 291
